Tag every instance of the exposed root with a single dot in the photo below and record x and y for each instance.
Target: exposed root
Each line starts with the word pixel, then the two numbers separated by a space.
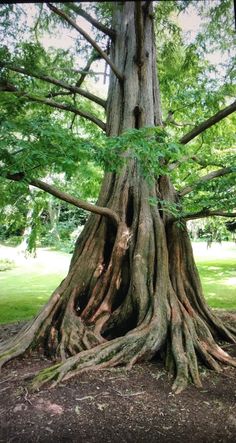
pixel 107 355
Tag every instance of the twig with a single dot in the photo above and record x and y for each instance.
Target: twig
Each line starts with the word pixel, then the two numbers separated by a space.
pixel 128 395
pixel 91 397
pixel 26 396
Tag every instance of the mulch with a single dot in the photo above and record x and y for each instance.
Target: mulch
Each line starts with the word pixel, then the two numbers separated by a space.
pixel 115 406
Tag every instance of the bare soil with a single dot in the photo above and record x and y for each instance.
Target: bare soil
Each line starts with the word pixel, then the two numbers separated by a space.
pixel 115 405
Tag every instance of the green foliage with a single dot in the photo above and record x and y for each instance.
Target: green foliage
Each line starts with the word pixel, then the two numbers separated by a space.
pixel 213 230
pixel 151 147
pixel 38 140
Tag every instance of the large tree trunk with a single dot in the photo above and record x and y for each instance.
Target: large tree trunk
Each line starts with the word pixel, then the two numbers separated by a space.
pixel 132 290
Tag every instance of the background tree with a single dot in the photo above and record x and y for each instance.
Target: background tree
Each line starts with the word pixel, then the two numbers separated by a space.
pixel 132 290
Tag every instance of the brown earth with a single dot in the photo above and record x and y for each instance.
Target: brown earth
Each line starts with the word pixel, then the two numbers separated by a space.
pixel 115 405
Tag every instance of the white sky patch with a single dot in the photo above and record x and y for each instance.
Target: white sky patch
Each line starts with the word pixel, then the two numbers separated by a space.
pixel 190 22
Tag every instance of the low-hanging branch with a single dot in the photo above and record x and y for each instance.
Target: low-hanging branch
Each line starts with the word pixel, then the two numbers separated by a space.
pixel 88 38
pixel 108 31
pixel 67 197
pixel 55 81
pixel 212 175
pixel 53 104
pixel 208 123
pixel 208 213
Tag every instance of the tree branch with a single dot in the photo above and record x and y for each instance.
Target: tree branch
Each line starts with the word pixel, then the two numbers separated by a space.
pixel 67 197
pixel 170 120
pixel 207 213
pixel 55 81
pixel 84 71
pixel 206 178
pixel 179 162
pixel 53 104
pixel 108 31
pixel 208 123
pixel 95 56
pixel 88 38
pixel 56 94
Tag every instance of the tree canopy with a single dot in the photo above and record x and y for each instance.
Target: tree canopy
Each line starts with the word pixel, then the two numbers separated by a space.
pixel 48 116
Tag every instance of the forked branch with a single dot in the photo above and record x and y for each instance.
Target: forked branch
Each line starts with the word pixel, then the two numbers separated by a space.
pixel 67 197
pixel 88 38
pixel 108 31
pixel 55 81
pixel 95 56
pixel 212 175
pixel 208 123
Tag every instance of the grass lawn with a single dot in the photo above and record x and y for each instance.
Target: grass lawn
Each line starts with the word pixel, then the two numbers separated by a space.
pixel 217 268
pixel 26 287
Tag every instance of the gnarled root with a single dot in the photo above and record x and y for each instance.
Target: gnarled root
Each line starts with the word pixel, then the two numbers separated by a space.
pixel 184 336
pixel 141 343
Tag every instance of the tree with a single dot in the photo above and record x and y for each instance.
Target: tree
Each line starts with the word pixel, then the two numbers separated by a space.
pixel 132 290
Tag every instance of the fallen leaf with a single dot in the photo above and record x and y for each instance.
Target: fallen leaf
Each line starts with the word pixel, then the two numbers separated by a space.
pixel 77 410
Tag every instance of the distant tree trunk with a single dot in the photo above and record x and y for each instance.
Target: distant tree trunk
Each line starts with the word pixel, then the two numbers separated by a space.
pixel 133 289
pixel 54 214
pixel 30 233
pixel 22 247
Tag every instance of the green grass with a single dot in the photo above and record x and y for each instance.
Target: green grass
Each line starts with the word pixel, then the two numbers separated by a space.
pixel 25 288
pixel 24 293
pixel 218 279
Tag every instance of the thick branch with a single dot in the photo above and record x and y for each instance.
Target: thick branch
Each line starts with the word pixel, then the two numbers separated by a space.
pixel 93 21
pixel 55 81
pixel 208 123
pixel 53 104
pixel 206 178
pixel 208 213
pixel 67 197
pixel 88 38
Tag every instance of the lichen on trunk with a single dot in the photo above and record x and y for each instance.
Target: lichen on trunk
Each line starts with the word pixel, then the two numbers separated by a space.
pixel 132 290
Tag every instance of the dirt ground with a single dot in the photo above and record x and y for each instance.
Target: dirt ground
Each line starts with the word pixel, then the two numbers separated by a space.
pixel 115 406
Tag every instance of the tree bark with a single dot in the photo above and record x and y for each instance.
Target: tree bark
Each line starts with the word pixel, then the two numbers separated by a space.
pixel 132 290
